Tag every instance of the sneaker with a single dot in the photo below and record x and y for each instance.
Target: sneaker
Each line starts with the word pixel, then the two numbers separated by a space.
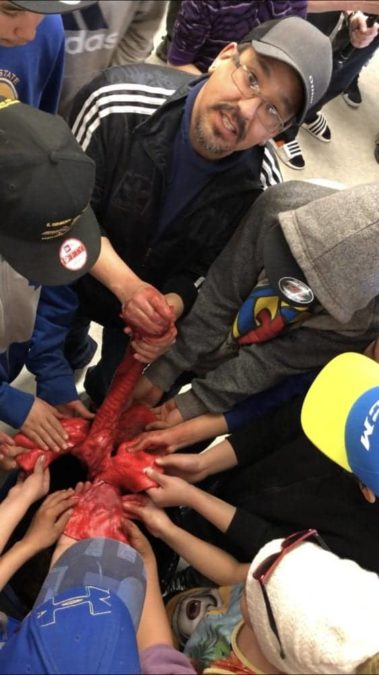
pixel 352 95
pixel 290 154
pixel 319 128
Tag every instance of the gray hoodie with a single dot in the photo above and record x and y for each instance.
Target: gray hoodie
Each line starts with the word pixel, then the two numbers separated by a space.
pixel 113 32
pixel 334 237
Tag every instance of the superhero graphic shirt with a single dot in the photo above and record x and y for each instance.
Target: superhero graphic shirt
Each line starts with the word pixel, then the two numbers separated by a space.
pixel 264 315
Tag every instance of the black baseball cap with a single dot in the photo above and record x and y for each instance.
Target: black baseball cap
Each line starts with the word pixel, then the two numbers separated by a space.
pixel 283 272
pixel 52 6
pixel 302 46
pixel 48 232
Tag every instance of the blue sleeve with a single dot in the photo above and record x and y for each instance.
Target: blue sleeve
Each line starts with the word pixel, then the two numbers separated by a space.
pixel 256 405
pixel 15 405
pixel 52 90
pixel 55 379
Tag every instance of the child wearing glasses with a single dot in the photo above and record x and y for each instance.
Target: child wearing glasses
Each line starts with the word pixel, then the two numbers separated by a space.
pixel 297 608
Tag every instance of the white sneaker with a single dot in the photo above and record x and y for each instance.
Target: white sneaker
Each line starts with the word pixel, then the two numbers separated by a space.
pixel 319 128
pixel 290 154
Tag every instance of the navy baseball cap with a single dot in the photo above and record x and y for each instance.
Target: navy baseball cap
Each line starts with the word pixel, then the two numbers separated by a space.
pixel 52 6
pixel 86 615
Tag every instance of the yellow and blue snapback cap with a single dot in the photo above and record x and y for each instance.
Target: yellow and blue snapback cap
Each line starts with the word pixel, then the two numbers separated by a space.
pixel 340 415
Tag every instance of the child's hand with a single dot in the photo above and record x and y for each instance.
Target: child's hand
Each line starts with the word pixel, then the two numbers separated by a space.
pixel 171 491
pixel 188 467
pixel 43 427
pixel 33 487
pixel 37 484
pixel 167 414
pixel 64 542
pixel 50 520
pixel 155 519
pixel 8 452
pixel 138 541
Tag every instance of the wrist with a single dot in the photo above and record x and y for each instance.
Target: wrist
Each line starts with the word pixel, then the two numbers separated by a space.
pixel 27 547
pixel 189 494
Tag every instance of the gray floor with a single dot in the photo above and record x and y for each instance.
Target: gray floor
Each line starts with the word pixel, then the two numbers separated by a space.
pixel 349 157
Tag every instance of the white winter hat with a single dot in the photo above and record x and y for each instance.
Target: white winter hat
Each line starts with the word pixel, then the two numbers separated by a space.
pixel 325 608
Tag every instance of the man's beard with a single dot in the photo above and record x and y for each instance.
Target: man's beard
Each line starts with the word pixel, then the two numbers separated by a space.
pixel 210 139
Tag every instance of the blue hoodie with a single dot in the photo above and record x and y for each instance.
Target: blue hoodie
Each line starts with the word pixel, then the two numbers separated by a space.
pixel 34 322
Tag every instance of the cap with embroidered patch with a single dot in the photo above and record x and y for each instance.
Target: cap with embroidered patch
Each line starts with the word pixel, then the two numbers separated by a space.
pixel 48 232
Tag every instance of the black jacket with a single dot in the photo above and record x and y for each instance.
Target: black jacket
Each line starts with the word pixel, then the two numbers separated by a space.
pixel 127 120
pixel 283 484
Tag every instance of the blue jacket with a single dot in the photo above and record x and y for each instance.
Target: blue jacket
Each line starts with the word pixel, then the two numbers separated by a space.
pixel 33 326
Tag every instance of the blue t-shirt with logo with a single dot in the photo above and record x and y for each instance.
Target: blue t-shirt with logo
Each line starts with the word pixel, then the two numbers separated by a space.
pixel 33 72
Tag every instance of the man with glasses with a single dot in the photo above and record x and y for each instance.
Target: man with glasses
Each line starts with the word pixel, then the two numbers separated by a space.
pixel 179 162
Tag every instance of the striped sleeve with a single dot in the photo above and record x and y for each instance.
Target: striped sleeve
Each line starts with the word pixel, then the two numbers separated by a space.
pixel 270 172
pixel 112 99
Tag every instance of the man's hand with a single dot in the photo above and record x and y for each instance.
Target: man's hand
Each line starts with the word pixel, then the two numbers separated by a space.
pixel 167 414
pixel 147 311
pixel 361 35
pixel 75 409
pixel 50 520
pixel 43 427
pixel 171 491
pixel 155 519
pixel 149 349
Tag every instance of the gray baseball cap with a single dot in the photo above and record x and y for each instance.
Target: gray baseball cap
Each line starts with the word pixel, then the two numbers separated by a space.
pixel 52 6
pixel 302 46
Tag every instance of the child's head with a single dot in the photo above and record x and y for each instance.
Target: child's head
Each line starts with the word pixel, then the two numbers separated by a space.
pixel 324 608
pixel 340 414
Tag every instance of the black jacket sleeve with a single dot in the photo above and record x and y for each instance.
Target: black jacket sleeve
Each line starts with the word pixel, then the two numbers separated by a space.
pixel 267 433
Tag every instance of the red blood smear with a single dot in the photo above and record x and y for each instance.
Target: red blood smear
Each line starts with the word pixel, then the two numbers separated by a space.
pixel 98 513
pixel 99 509
pixel 76 427
pixel 125 470
pixel 133 421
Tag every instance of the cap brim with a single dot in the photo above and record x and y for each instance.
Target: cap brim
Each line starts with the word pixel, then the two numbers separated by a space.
pixel 330 399
pixel 44 262
pixel 53 6
pixel 99 561
pixel 276 53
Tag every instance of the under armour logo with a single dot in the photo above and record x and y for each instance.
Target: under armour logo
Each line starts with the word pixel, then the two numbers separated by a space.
pixel 97 600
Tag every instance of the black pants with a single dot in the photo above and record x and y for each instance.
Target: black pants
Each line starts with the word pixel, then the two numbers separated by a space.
pixel 342 75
